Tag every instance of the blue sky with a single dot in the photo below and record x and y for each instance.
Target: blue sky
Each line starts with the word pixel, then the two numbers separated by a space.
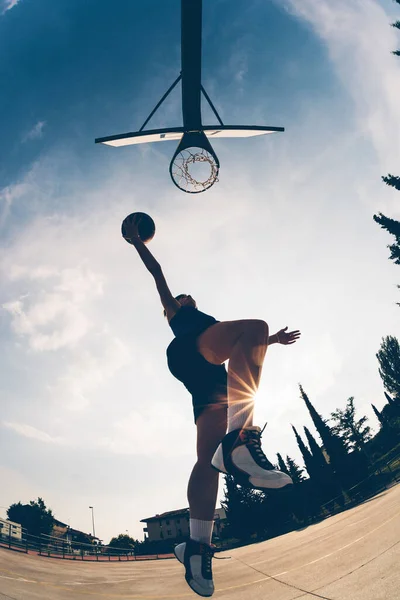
pixel 89 412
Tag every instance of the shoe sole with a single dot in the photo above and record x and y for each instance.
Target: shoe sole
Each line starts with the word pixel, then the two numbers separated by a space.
pixel 191 587
pixel 245 481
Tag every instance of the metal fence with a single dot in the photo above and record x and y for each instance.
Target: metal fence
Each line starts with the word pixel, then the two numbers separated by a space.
pixel 56 547
pixel 384 473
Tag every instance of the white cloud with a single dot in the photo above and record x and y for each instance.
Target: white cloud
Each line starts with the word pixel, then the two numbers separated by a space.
pixel 8 5
pixel 88 369
pixel 150 431
pixel 52 318
pixel 35 133
pixel 360 40
pixel 8 196
pixel 32 432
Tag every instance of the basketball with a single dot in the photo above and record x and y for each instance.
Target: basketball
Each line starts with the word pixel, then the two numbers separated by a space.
pixel 146 227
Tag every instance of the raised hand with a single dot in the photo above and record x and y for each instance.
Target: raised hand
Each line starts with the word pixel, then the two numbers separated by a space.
pixel 287 337
pixel 134 227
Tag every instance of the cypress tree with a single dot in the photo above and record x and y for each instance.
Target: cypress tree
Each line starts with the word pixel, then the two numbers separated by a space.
pixel 378 415
pixel 326 475
pixel 392 401
pixel 397 25
pixel 240 505
pixel 307 456
pixel 392 180
pixel 389 365
pixel 281 464
pixel 316 451
pixel 333 445
pixel 294 471
pixel 393 227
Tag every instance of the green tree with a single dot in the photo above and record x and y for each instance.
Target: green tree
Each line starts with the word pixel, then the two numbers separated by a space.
pixel 34 517
pixel 379 415
pixel 334 446
pixel 389 364
pixel 307 456
pixel 295 472
pixel 122 544
pixel 281 464
pixel 324 473
pixel 316 452
pixel 354 433
pixel 393 227
pixel 245 510
pixel 397 25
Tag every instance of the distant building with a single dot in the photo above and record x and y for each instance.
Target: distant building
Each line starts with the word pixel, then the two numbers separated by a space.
pixel 175 524
pixel 63 531
pixel 8 528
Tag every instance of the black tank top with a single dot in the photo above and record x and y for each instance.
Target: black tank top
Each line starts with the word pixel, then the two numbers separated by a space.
pixel 190 320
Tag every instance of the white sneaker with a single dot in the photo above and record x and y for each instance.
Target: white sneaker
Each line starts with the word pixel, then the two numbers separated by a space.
pixel 240 455
pixel 196 557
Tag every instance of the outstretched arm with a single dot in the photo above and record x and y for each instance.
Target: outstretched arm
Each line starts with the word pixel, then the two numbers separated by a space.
pixel 148 259
pixel 284 337
pixel 169 303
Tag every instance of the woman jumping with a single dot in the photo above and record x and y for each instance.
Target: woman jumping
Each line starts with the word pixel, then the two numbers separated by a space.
pixel 223 406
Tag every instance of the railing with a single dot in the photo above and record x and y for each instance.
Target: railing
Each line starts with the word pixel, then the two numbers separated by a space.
pixel 56 547
pixel 385 473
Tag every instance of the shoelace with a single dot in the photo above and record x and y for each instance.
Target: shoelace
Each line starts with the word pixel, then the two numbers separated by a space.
pixel 253 438
pixel 208 553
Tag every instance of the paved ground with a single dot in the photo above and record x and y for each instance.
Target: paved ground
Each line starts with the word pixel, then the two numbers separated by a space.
pixel 352 556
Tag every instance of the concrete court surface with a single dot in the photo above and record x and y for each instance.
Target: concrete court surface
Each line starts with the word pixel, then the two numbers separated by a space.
pixel 352 556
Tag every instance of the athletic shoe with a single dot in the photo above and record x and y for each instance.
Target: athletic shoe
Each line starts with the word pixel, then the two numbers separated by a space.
pixel 240 455
pixel 197 556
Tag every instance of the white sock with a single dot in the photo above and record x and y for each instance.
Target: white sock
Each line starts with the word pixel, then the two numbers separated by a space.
pixel 201 531
pixel 240 415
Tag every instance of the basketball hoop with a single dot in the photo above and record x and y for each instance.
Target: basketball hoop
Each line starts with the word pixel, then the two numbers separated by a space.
pixel 186 174
pixel 194 166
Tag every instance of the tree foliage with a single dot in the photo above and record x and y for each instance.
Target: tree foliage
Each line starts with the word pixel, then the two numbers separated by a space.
pixel 243 509
pixel 389 364
pixel 250 511
pixel 307 456
pixel 397 25
pixel 393 227
pixel 122 542
pixel 354 433
pixel 34 517
pixel 281 465
pixel 333 445
pixel 295 472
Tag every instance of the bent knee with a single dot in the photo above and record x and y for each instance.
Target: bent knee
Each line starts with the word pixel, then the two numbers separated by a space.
pixel 257 328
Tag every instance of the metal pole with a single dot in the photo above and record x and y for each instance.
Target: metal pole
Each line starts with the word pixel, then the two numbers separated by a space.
pixel 161 101
pixel 94 535
pixel 191 17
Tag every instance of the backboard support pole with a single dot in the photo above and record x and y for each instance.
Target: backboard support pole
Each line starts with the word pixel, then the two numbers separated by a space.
pixel 191 16
pixel 177 80
pixel 207 97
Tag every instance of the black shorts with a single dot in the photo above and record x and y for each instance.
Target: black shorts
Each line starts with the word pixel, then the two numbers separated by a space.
pixel 206 382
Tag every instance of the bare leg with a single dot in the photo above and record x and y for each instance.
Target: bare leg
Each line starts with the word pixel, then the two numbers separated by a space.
pixel 203 483
pixel 244 343
pixel 202 491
